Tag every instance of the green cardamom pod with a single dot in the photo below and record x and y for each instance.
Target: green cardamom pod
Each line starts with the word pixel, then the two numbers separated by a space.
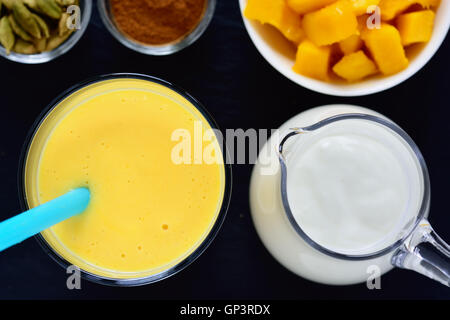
pixel 8 3
pixel 56 41
pixel 18 30
pixel 24 47
pixel 66 3
pixel 25 19
pixel 7 38
pixel 62 26
pixel 40 44
pixel 50 8
pixel 31 4
pixel 45 30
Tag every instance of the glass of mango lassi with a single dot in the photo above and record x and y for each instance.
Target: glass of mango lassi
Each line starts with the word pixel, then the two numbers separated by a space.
pixel 149 216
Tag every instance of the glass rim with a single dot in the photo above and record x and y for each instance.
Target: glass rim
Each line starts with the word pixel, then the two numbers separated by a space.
pixel 157 50
pixel 66 46
pixel 424 205
pixel 193 255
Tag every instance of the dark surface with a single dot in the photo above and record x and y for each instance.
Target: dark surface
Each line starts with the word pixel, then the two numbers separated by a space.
pixel 226 73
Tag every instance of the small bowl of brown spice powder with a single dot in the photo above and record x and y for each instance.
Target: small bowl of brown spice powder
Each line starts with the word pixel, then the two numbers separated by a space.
pixel 156 27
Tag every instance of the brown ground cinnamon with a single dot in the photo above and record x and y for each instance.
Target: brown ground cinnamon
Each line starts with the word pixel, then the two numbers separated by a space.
pixel 157 21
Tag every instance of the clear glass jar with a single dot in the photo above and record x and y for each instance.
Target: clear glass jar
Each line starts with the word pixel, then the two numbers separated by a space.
pixel 134 279
pixel 155 50
pixel 274 200
pixel 86 12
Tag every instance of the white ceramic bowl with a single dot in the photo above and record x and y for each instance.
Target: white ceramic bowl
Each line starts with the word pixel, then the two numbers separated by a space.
pixel 280 54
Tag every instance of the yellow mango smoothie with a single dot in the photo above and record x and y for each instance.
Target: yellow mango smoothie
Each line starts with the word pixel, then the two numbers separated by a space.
pixel 147 213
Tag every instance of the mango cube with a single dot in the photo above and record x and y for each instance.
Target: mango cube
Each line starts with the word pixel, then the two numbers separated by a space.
pixel 416 27
pixel 385 45
pixel 428 3
pixel 312 61
pixel 355 66
pixel 351 44
pixel 305 6
pixel 360 6
pixel 392 8
pixel 331 24
pixel 277 14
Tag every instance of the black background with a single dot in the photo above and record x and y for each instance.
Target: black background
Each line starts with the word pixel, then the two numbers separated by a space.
pixel 227 74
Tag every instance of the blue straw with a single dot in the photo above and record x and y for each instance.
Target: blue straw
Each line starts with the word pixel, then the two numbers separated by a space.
pixel 31 222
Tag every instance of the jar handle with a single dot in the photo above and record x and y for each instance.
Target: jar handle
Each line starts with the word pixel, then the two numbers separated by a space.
pixel 426 253
pixel 293 132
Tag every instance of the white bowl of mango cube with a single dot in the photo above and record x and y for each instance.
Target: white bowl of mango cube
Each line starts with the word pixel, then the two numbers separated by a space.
pixel 329 59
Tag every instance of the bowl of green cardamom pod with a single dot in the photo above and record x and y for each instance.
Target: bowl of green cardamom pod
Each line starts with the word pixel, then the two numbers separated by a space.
pixel 38 31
